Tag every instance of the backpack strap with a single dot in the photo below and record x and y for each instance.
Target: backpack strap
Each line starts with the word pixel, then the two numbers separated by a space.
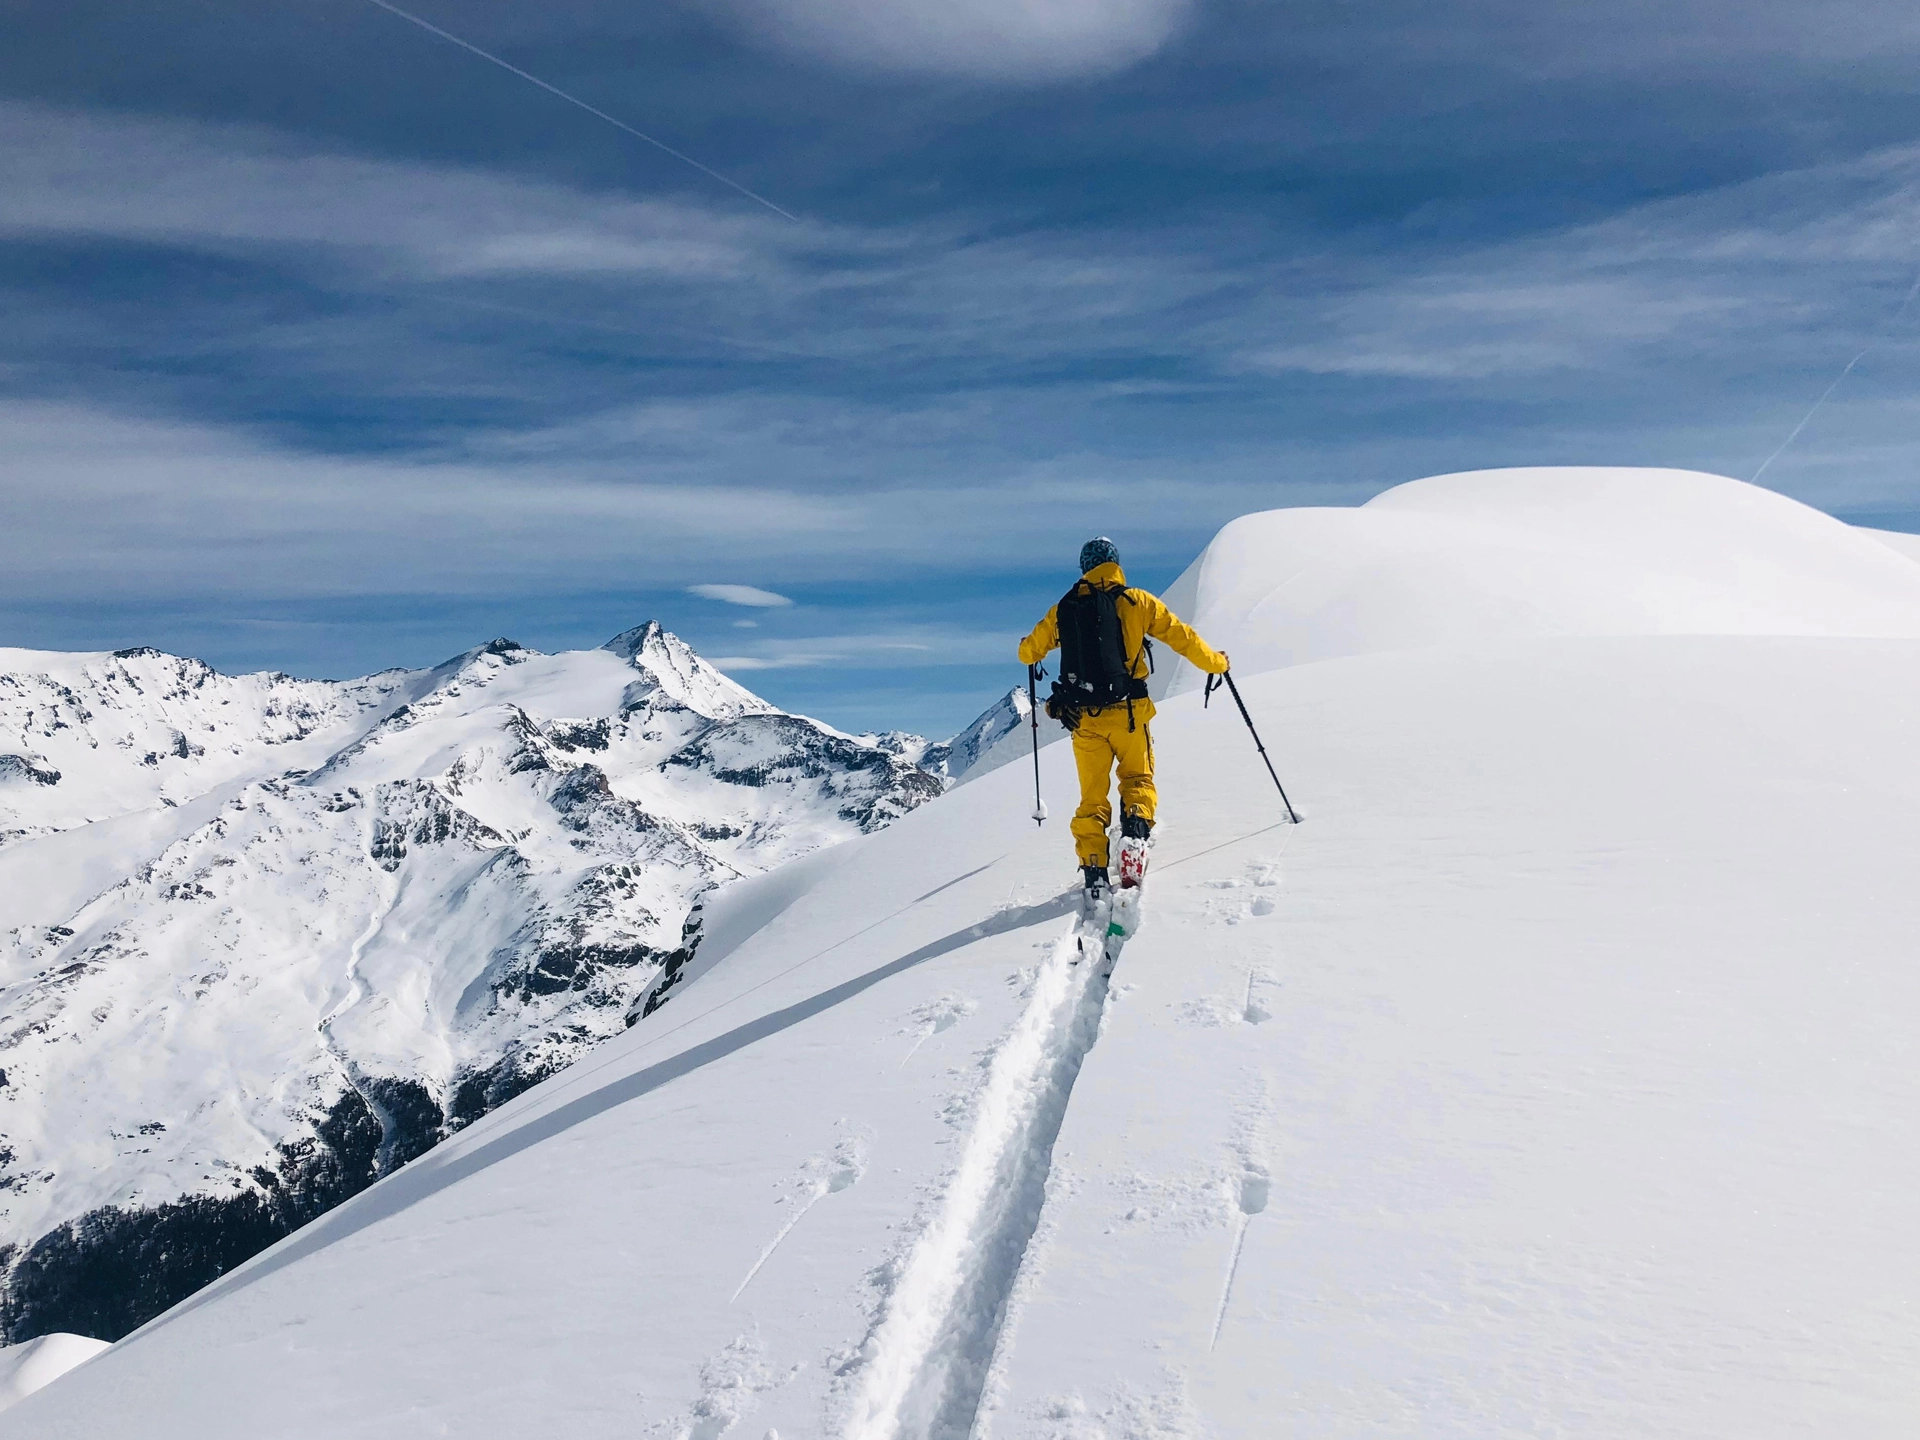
pixel 1146 648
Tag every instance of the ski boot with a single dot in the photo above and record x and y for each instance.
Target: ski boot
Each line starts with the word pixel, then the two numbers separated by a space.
pixel 1096 909
pixel 1136 838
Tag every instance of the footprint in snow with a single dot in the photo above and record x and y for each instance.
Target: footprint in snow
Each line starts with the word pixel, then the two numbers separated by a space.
pixel 1252 1012
pixel 934 1017
pixel 820 1177
pixel 731 1383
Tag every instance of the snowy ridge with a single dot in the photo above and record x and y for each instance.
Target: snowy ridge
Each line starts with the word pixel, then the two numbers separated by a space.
pixel 85 738
pixel 303 978
pixel 961 756
pixel 1550 1078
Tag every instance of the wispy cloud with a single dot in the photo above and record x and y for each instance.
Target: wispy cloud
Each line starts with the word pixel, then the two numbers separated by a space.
pixel 917 647
pixel 749 595
pixel 437 250
pixel 1002 40
pixel 792 660
pixel 241 189
pixel 1761 265
pixel 459 382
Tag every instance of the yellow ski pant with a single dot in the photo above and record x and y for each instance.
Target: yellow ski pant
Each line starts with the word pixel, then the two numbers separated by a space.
pixel 1100 742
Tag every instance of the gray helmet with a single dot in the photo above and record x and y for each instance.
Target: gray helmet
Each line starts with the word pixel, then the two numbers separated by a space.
pixel 1098 551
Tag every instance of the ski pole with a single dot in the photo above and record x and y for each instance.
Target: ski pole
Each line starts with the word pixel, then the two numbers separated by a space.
pixel 1234 690
pixel 1033 715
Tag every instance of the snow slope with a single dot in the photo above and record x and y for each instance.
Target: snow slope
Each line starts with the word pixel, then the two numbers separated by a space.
pixel 1553 1078
pixel 1905 544
pixel 35 1364
pixel 349 918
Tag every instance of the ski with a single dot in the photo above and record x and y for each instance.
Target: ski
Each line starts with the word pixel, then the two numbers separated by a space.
pixel 1129 898
pixel 1091 934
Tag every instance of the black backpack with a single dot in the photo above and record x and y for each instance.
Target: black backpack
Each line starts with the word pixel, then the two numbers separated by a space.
pixel 1094 672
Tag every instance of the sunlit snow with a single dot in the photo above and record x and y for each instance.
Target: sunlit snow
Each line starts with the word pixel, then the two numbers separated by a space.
pixel 1553 1077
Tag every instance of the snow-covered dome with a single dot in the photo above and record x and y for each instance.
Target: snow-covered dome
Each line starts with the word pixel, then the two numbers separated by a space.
pixel 1493 554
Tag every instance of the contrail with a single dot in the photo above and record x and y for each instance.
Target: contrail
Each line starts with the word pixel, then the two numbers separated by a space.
pixel 468 45
pixel 1825 394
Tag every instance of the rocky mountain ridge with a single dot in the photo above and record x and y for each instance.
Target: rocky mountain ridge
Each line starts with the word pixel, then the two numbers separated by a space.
pixel 319 926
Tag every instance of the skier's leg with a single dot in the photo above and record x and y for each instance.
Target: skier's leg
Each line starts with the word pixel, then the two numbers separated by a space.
pixel 1093 758
pixel 1134 749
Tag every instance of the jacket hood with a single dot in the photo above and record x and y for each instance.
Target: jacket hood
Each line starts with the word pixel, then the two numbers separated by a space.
pixel 1108 574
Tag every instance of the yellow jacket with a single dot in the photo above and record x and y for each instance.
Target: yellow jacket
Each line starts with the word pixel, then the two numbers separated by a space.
pixel 1146 618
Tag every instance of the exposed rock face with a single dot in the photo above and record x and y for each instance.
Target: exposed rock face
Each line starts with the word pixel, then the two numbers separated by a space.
pixel 954 758
pixel 17 768
pixel 266 939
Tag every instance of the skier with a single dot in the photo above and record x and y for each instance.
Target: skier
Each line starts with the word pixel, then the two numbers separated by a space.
pixel 1103 626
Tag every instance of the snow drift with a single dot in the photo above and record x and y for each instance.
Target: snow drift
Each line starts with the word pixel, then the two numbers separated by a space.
pixel 35 1364
pixel 1553 1077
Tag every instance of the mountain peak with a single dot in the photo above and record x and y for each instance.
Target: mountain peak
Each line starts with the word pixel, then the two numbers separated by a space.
pixel 670 668
pixel 629 643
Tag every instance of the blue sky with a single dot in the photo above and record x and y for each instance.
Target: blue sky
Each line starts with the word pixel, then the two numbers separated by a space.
pixel 329 346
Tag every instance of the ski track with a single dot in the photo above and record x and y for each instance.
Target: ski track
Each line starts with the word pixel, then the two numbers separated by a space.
pixel 913 1049
pixel 1251 1197
pixel 813 1199
pixel 1226 1291
pixel 843 1168
pixel 929 1357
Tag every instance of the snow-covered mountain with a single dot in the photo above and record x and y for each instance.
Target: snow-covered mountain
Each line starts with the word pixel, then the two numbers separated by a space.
pixel 958 757
pixel 266 939
pixel 955 759
pixel 1553 1077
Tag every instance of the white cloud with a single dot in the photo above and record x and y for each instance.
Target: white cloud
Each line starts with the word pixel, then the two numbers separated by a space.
pixel 238 189
pixel 1470 326
pixel 1007 40
pixel 740 595
pixel 797 660
pixel 1749 269
pixel 812 487
pixel 935 647
pixel 102 503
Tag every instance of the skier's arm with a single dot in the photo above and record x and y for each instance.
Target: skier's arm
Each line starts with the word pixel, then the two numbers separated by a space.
pixel 1045 636
pixel 1163 624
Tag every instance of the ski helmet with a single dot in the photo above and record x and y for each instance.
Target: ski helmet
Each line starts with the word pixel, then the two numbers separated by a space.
pixel 1098 551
